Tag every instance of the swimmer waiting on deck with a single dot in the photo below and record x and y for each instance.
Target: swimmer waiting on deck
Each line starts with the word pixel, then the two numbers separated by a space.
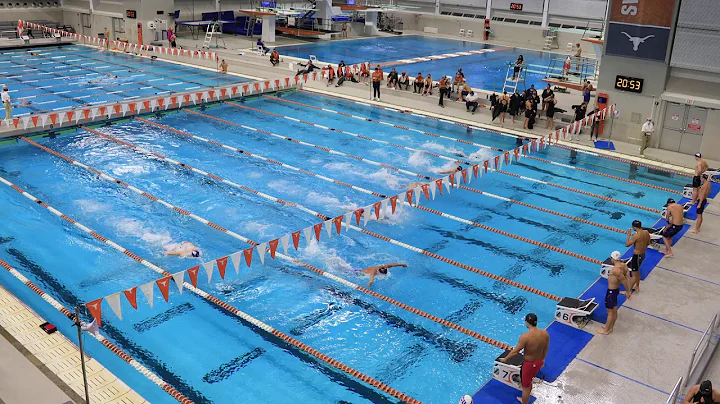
pixel 382 269
pixel 186 249
pixel 675 217
pixel 640 242
pixel 703 193
pixel 618 276
pixel 535 344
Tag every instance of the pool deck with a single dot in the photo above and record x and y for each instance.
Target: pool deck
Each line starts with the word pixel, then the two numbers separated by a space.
pixel 640 362
pixel 41 368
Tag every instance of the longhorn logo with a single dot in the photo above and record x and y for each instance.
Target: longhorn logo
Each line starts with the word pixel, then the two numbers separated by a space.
pixel 636 40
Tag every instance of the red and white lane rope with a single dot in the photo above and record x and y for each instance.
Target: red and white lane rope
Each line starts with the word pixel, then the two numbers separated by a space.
pixel 367 119
pixel 491 130
pixel 363 190
pixel 350 226
pixel 323 148
pixel 328 150
pixel 590 194
pixel 104 341
pixel 344 132
pixel 222 304
pixel 231 233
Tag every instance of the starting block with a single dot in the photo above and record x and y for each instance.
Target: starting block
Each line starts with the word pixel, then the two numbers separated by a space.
pixel 656 238
pixel 608 264
pixel 687 191
pixel 508 373
pixel 575 312
pixel 686 206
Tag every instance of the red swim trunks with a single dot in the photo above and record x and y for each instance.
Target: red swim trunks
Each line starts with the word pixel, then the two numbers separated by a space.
pixel 528 370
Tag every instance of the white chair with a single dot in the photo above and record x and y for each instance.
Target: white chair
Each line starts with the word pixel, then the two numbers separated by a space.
pixel 260 50
pixel 569 47
pixel 462 32
pixel 469 33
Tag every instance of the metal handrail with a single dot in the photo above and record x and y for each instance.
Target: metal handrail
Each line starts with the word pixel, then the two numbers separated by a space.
pixel 675 393
pixel 708 332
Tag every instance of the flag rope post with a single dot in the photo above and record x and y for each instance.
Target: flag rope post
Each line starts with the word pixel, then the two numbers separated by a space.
pixel 77 324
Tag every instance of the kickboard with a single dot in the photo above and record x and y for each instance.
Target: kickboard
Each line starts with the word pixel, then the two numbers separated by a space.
pixel 604 144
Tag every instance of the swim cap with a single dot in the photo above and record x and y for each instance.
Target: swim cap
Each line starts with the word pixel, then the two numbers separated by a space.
pixel 706 387
pixel 616 255
pixel 195 253
pixel 698 155
pixel 531 319
pixel 466 399
pixel 383 270
pixel 670 200
pixel 636 223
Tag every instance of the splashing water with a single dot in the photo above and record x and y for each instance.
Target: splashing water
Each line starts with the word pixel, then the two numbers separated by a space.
pixel 330 201
pixel 481 155
pixel 329 257
pixel 134 227
pixel 440 148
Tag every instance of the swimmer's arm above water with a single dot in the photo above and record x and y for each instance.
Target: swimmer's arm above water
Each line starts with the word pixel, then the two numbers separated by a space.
pixel 520 346
pixel 387 266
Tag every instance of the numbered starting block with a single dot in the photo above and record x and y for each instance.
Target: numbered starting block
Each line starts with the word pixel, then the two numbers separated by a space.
pixel 607 266
pixel 575 312
pixel 686 206
pixel 508 373
pixel 656 238
pixel 687 191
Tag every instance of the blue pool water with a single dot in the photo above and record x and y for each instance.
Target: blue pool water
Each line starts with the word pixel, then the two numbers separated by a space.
pixel 486 71
pixel 73 76
pixel 212 357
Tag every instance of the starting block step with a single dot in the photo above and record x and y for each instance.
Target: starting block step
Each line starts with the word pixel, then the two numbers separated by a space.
pixel 575 312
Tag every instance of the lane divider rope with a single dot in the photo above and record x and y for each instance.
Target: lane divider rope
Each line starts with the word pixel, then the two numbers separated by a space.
pixel 224 305
pixel 363 190
pixel 237 236
pixel 464 125
pixel 410 172
pixel 377 121
pixel 325 217
pixel 101 339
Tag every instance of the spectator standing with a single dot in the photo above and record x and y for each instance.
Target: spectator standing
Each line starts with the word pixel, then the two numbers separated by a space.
pixel 377 77
pixel 647 130
pixel 443 89
pixel 7 102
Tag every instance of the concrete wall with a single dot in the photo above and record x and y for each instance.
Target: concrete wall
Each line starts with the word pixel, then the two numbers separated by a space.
pixel 512 34
pixel 590 9
pixel 49 14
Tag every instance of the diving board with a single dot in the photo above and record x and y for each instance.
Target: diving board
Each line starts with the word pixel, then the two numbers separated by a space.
pixel 299 31
pixel 268 23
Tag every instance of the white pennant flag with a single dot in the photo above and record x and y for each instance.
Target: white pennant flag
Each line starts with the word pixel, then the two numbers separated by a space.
pixel 469 175
pixel 308 234
pixel 418 191
pixel 458 178
pixel 349 217
pixel 446 182
pixel 179 278
pixel 147 290
pixel 114 302
pixel 205 96
pixel 77 116
pixel 366 214
pixel 25 121
pixel 384 212
pixel 284 240
pixel 235 258
pixel 44 119
pixel 91 327
pixel 124 109
pixel 93 113
pixel 400 202
pixel 433 187
pixel 209 267
pixel 61 118
pixel 261 251
pixel 329 227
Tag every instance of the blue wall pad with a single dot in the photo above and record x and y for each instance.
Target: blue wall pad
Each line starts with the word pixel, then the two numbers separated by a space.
pixel 714 189
pixel 565 344
pixel 663 222
pixel 494 392
pixel 652 258
pixel 597 290
pixel 604 144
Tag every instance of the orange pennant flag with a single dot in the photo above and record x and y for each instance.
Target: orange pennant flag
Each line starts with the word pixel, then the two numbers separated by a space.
pixel 267 84
pixel 358 213
pixel 187 99
pixel 223 93
pixel 164 286
pixel 464 175
pixel 377 206
pixel 525 149
pixel 16 122
pixel 486 163
pixel 452 179
pixel 248 256
pixel 393 203
pixel 257 86
pixel 246 88
pixel 198 96
pixel 305 78
pixel 193 272
pixel 517 153
pixel 439 184
pixel 287 81
pixel 35 121
pixel 497 162
pixel 222 264
pixel 318 229
pixel 277 84
pixel 409 194
pixel 426 191
pixel 475 170
pixel 53 118
pixel 146 104
pixel 131 296
pixel 70 115
pixel 116 107
pixel 86 114
pixel 233 90
pixel 507 157
pixel 132 108
pixel 273 247
pixel 161 102
pixel 338 223
pixel 212 94
pixel 95 308
pixel 296 239
pixel 102 111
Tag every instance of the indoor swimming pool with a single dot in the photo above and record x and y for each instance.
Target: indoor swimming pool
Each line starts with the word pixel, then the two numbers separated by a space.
pixel 57 78
pixel 296 148
pixel 486 70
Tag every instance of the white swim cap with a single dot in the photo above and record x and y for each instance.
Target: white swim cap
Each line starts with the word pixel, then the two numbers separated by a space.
pixel 616 255
pixel 466 399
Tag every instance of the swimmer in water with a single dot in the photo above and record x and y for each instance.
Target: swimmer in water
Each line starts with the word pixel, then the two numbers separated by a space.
pixel 186 249
pixel 452 170
pixel 415 185
pixel 382 269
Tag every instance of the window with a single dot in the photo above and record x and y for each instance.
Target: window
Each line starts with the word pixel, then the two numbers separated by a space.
pixel 118 25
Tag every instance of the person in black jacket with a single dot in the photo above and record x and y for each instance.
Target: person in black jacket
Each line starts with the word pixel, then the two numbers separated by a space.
pixel 547 92
pixel 595 129
pixel 514 106
pixel 580 111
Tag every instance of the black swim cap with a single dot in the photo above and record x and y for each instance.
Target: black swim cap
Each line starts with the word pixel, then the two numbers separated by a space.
pixel 670 200
pixel 383 270
pixel 531 319
pixel 706 387
pixel 195 253
pixel 636 223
